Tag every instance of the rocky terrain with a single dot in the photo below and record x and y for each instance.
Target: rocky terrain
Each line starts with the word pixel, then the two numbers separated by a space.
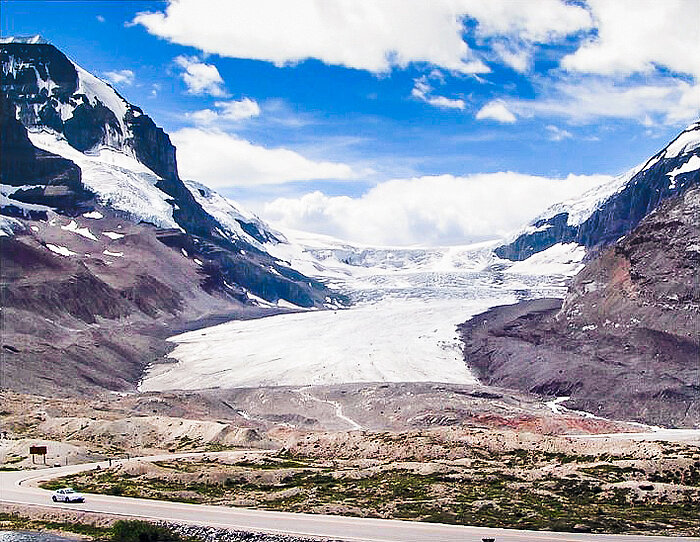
pixel 624 343
pixel 265 418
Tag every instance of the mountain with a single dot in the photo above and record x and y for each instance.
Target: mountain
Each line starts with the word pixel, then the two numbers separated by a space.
pixel 624 343
pixel 604 214
pixel 105 249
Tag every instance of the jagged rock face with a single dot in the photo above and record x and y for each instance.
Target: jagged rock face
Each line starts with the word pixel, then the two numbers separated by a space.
pixel 648 279
pixel 620 213
pixel 26 69
pixel 46 87
pixel 152 145
pixel 624 343
pixel 46 177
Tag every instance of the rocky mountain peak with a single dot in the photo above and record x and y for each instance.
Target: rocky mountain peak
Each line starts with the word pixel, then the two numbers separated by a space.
pixel 601 216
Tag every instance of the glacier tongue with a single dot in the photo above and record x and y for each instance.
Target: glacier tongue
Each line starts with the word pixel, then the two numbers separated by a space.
pixel 400 328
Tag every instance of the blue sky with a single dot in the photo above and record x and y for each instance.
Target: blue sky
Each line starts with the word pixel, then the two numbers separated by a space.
pixel 333 105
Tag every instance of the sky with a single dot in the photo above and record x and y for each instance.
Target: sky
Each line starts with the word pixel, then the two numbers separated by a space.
pixel 393 121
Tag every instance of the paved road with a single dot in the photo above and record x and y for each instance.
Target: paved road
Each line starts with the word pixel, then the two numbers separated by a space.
pixel 19 487
pixel 687 436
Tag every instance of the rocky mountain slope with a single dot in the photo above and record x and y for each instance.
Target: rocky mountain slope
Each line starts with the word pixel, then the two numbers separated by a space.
pixel 105 250
pixel 624 343
pixel 606 213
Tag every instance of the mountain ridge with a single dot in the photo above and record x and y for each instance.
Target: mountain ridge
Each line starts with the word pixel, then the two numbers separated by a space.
pixel 604 214
pixel 68 113
pixel 624 342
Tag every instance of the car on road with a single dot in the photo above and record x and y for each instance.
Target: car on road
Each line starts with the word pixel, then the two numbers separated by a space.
pixel 67 494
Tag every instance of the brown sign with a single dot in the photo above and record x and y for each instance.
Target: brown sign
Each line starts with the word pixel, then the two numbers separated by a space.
pixel 37 450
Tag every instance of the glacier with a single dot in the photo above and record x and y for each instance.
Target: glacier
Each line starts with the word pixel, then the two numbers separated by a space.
pixel 400 326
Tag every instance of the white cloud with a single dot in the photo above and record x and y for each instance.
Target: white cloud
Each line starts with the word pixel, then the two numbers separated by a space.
pixel 544 22
pixel 234 111
pixel 199 77
pixel 496 110
pixel 517 57
pixel 100 18
pixel 120 77
pixel 204 116
pixel 219 159
pixel 361 34
pixel 668 100
pixel 239 109
pixel 639 35
pixel 423 91
pixel 434 210
pixel 557 134
pixel 446 103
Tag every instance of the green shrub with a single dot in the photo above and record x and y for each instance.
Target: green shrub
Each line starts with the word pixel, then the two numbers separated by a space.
pixel 142 531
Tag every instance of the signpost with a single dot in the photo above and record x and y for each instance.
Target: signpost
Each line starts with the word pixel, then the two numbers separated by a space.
pixel 38 450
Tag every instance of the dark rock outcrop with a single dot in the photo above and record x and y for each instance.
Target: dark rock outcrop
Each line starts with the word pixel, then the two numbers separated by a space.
pixel 56 180
pixel 624 343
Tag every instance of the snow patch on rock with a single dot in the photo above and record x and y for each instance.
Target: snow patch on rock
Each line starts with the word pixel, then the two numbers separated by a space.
pixel 73 227
pixel 58 249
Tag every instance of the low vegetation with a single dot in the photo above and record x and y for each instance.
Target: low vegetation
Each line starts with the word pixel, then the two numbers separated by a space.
pixel 119 531
pixel 521 489
pixel 20 523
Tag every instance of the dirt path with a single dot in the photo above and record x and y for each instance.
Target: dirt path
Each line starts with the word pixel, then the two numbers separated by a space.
pixel 354 426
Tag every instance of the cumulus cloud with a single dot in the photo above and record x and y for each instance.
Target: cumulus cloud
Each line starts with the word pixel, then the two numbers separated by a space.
pixel 638 36
pixel 548 21
pixel 233 110
pixel 361 34
pixel 200 78
pixel 422 90
pixel 496 110
pixel 433 210
pixel 120 77
pixel 219 159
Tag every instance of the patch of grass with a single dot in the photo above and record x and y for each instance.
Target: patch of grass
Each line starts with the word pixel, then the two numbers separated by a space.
pixel 614 473
pixel 17 522
pixel 689 476
pixel 274 464
pixel 10 459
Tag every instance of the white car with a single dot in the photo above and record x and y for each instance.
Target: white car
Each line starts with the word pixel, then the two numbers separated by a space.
pixel 67 495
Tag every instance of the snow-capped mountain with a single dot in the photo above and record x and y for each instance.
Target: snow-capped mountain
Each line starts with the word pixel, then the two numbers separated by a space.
pixel 72 144
pixel 606 213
